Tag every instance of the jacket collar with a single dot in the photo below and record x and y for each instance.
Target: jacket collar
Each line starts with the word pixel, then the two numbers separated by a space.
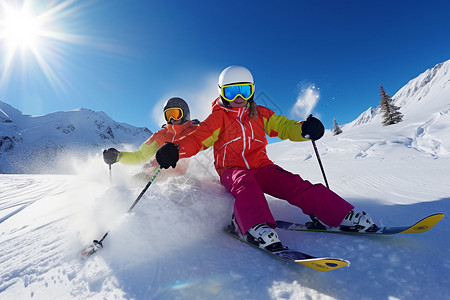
pixel 177 128
pixel 239 111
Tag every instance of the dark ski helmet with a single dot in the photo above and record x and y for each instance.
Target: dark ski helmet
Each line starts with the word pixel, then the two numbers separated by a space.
pixel 176 102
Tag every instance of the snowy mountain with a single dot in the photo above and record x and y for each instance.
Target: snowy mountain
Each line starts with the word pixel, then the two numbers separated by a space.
pixel 172 246
pixel 426 94
pixel 425 105
pixel 48 143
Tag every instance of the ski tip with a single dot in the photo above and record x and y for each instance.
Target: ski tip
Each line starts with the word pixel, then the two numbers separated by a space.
pixel 324 264
pixel 87 252
pixel 91 249
pixel 425 224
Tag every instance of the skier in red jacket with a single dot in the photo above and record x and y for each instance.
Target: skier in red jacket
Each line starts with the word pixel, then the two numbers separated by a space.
pixel 237 129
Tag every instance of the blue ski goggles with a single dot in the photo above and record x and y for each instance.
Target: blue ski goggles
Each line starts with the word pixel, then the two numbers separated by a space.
pixel 232 91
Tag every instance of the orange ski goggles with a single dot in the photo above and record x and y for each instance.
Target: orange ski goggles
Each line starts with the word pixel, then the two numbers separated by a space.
pixel 175 113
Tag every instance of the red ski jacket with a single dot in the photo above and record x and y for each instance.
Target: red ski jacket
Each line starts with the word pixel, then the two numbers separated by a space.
pixel 239 142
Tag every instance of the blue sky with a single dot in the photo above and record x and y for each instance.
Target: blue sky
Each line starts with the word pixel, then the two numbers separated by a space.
pixel 127 57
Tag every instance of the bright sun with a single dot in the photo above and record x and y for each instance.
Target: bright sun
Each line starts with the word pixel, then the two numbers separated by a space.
pixel 42 38
pixel 31 34
pixel 19 29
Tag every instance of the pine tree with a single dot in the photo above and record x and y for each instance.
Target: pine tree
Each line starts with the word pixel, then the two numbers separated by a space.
pixel 391 113
pixel 337 130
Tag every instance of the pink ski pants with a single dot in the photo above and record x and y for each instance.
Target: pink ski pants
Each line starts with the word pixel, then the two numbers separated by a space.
pixel 251 207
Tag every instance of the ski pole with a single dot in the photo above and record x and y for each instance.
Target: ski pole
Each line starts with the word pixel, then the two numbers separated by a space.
pixel 110 174
pixel 315 222
pixel 320 163
pixel 97 244
pixel 318 158
pixel 145 189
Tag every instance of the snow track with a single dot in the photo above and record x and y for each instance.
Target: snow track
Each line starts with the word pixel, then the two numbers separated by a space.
pixel 29 190
pixel 168 250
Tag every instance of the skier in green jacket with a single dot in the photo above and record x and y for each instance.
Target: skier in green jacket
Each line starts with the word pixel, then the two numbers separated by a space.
pixel 178 124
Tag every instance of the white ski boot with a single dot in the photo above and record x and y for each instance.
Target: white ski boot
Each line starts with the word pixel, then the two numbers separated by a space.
pixel 264 237
pixel 260 235
pixel 358 221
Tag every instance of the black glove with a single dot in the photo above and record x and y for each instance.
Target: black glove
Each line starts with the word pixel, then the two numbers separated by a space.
pixel 168 155
pixel 312 128
pixel 111 156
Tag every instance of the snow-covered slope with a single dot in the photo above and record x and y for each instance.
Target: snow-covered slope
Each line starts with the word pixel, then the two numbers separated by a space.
pixel 43 144
pixel 172 245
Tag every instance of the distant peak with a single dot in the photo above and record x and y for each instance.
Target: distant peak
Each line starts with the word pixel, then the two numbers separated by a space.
pixel 4 118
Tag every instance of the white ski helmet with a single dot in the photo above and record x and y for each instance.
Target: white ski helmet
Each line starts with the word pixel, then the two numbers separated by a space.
pixel 232 75
pixel 235 74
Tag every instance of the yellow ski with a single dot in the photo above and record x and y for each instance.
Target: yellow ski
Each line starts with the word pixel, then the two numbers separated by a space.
pixel 322 264
pixel 423 225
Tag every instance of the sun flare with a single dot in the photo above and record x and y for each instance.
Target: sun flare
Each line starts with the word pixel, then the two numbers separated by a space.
pixel 20 29
pixel 35 38
pixel 44 41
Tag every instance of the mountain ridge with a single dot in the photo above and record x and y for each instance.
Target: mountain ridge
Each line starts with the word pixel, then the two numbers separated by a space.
pixel 80 132
pixel 419 96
